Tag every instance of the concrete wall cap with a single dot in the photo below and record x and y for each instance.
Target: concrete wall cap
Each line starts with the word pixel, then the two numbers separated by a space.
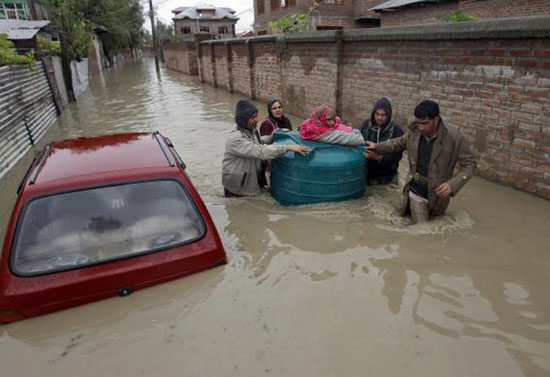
pixel 508 28
pixel 224 41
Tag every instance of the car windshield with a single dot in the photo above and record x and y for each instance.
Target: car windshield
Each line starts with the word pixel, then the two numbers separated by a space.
pixel 74 229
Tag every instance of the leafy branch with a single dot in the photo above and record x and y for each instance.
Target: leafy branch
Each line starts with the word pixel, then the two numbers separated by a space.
pixel 293 23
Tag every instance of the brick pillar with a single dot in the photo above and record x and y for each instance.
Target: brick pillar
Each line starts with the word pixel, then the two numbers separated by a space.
pixel 213 62
pixel 281 42
pixel 339 61
pixel 228 60
pixel 199 59
pixel 251 69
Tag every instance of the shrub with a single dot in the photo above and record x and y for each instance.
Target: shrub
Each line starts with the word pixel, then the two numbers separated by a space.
pixel 8 55
pixel 457 16
pixel 46 45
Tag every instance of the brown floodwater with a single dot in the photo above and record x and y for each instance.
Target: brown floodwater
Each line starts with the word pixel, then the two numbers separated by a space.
pixel 344 289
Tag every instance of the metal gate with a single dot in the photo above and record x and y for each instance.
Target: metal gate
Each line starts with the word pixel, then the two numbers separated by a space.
pixel 27 111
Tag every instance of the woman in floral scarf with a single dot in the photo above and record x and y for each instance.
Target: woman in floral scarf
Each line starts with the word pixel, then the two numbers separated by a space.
pixel 324 126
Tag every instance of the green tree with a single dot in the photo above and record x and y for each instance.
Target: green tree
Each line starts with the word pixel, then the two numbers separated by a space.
pixel 122 19
pixel 165 31
pixel 75 20
pixel 72 27
pixel 8 55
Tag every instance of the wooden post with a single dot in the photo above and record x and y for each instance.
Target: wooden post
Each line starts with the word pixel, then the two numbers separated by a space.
pixel 50 75
pixel 66 65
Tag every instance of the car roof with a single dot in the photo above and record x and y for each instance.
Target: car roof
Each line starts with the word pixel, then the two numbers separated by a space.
pixel 103 154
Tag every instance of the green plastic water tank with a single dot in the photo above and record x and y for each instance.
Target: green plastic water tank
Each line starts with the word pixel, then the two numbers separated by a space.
pixel 328 173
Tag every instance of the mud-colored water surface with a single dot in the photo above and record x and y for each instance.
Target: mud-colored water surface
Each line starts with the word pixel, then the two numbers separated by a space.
pixel 344 289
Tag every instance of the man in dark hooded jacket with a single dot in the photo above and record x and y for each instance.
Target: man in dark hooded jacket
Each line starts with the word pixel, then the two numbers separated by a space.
pixel 382 168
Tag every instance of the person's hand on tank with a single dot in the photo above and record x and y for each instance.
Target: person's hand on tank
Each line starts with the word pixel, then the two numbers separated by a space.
pixel 371 155
pixel 370 145
pixel 298 148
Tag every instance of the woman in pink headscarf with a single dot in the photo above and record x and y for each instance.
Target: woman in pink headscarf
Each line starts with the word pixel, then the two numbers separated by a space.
pixel 324 126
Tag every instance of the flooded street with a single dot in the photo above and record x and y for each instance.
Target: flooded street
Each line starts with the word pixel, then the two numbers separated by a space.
pixel 342 289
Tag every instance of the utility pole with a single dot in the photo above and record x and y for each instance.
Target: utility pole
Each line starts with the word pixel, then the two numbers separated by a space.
pixel 159 44
pixel 154 35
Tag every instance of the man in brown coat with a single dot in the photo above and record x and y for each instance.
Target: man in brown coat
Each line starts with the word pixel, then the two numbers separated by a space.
pixel 434 149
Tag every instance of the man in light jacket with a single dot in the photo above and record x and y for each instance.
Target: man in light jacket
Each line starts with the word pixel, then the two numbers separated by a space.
pixel 434 150
pixel 243 168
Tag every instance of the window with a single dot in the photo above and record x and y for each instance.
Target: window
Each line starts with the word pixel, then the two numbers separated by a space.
pixel 14 11
pixel 284 3
pixel 261 6
pixel 275 4
pixel 185 30
pixel 205 29
pixel 75 229
pixel 223 30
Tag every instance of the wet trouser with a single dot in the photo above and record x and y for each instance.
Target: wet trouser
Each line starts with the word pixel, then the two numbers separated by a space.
pixel 419 208
pixel 383 180
pixel 229 194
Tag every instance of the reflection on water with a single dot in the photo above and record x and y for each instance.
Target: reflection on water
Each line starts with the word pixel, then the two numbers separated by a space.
pixel 331 289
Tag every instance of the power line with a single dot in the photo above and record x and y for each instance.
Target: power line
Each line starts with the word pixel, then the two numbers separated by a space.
pixel 244 11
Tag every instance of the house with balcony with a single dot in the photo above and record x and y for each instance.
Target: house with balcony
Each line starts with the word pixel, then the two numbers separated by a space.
pixel 203 18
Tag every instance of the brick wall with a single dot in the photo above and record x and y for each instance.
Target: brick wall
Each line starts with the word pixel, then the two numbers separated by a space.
pixel 491 79
pixel 310 76
pixel 361 7
pixel 488 9
pixel 181 57
pixel 497 92
pixel 267 71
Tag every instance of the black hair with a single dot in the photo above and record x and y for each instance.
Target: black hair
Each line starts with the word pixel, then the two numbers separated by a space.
pixel 426 109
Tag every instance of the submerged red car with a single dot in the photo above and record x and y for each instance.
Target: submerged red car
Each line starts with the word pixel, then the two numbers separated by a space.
pixel 99 217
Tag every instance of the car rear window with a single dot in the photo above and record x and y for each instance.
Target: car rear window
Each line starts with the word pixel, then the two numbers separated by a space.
pixel 74 229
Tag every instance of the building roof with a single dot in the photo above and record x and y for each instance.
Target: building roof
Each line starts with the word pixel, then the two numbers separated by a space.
pixel 229 10
pixel 246 34
pixel 392 4
pixel 20 30
pixel 179 9
pixel 193 14
pixel 204 6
